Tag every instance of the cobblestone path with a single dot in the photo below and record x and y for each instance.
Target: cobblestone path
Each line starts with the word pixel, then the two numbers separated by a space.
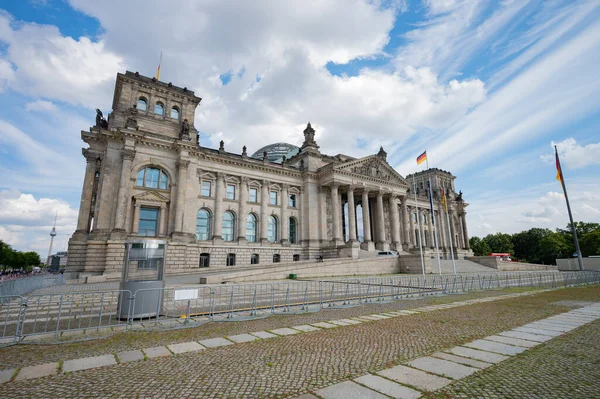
pixel 292 365
pixel 565 367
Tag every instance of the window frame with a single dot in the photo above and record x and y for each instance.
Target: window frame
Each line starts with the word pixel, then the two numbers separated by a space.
pixel 176 110
pixel 255 201
pixel 204 256
pixel 254 259
pixel 208 224
pixel 276 258
pixel 161 106
pixel 295 230
pixel 230 260
pixel 254 230
pixel 230 236
pixel 230 195
pixel 156 221
pixel 209 188
pixel 271 197
pixel 162 178
pixel 142 99
pixel 296 257
pixel 292 200
pixel 272 227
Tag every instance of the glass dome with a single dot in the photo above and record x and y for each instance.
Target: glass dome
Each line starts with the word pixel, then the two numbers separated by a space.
pixel 275 152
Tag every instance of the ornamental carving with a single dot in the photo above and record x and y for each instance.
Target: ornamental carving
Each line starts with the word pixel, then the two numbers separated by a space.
pixel 372 168
pixel 183 164
pixel 128 155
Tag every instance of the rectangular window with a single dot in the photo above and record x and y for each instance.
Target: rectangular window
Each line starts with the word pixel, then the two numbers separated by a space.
pixel 149 263
pixel 253 195
pixel 230 259
pixel 206 186
pixel 276 258
pixel 230 192
pixel 296 257
pixel 148 224
pixel 273 198
pixel 204 260
pixel 254 259
pixel 292 200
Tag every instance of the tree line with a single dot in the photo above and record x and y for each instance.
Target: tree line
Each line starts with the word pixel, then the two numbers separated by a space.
pixel 539 245
pixel 13 259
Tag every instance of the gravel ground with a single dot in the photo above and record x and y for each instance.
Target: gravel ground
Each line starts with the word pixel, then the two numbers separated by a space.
pixel 292 365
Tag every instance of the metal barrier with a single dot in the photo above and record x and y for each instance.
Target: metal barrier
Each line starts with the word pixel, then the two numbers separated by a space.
pixel 24 285
pixel 193 305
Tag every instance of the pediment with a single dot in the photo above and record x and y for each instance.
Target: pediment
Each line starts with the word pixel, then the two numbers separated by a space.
pixel 372 167
pixel 151 196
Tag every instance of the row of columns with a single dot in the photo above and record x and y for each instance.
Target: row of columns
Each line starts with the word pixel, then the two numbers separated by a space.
pixel 408 225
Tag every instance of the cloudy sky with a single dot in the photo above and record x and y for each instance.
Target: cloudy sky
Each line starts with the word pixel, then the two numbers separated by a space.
pixel 487 87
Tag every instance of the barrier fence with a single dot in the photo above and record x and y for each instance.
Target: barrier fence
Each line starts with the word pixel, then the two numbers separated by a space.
pixel 173 307
pixel 24 285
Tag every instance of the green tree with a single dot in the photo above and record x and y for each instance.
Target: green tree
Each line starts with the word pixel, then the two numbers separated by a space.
pixel 479 247
pixel 589 243
pixel 32 258
pixel 527 244
pixel 552 247
pixel 500 242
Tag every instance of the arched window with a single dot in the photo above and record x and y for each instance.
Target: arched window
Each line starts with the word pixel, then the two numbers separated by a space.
pixel 203 224
pixel 272 229
pixel 251 228
pixel 142 104
pixel 292 230
pixel 152 178
pixel 175 113
pixel 228 226
pixel 159 108
pixel 417 243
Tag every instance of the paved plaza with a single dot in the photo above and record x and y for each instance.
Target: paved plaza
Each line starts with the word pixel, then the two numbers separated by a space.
pixel 524 351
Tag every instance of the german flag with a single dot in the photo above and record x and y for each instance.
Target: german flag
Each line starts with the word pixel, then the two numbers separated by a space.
pixel 422 158
pixel 559 175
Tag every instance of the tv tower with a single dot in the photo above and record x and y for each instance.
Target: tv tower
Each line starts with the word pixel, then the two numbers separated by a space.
pixel 52 235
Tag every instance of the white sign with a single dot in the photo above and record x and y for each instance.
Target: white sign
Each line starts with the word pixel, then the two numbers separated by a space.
pixel 184 295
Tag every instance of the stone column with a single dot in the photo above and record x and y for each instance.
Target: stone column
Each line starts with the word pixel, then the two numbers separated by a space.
pixel 351 214
pixel 337 218
pixel 136 219
pixel 264 201
pixel 440 227
pixel 380 226
pixel 395 222
pixel 430 225
pixel 463 219
pixel 366 218
pixel 124 190
pixel 243 209
pixel 452 232
pixel 162 228
pixel 422 229
pixel 285 199
pixel 85 204
pixel 406 220
pixel 412 238
pixel 182 166
pixel 218 216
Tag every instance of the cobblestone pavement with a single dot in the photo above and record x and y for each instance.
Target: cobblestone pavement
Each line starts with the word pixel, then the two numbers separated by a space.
pixel 565 367
pixel 292 365
pixel 24 355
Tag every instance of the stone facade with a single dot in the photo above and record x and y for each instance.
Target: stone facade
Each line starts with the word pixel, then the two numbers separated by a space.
pixel 148 178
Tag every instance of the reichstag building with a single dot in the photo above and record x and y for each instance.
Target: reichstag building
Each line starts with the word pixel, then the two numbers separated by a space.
pixel 147 178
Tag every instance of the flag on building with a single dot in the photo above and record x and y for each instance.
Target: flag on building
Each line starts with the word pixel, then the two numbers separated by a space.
pixel 422 158
pixel 158 70
pixel 444 200
pixel 559 175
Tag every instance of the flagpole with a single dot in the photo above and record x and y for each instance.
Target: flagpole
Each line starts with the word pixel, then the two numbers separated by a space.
pixel 158 70
pixel 449 234
pixel 419 225
pixel 573 229
pixel 435 240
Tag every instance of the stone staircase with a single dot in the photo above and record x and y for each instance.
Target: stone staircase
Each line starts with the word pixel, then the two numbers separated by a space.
pixel 462 266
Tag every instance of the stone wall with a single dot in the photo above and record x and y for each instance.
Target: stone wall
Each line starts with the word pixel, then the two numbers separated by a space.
pixel 572 264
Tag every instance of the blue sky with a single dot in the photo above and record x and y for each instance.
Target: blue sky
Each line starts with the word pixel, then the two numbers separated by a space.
pixel 486 87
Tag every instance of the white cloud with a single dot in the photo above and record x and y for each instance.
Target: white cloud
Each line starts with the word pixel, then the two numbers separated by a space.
pixel 573 155
pixel 26 222
pixel 511 212
pixel 7 74
pixel 47 64
pixel 42 106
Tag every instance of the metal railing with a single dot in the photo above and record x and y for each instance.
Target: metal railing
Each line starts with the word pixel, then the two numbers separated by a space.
pixel 63 313
pixel 24 285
